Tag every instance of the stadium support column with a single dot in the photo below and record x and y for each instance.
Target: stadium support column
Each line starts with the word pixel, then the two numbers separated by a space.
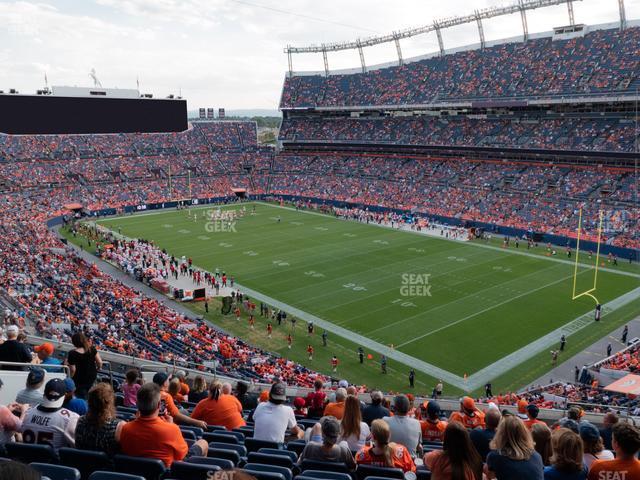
pixel 361 53
pixel 623 15
pixel 439 34
pixel 572 18
pixel 523 14
pixel 398 49
pixel 480 29
pixel 326 61
pixel 290 60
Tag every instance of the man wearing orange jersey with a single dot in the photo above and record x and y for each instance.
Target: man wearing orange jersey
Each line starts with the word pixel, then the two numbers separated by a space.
pixel 532 416
pixel 626 443
pixel 469 415
pixel 432 426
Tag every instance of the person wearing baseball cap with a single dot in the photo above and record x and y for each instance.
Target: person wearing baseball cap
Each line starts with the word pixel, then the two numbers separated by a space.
pixel 592 442
pixel 432 425
pixel 273 418
pixel 14 351
pixel 71 402
pixel 49 422
pixel 32 394
pixel 324 444
pixel 49 363
pixel 468 415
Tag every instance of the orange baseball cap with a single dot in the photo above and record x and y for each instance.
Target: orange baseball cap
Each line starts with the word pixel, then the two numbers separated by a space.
pixel 468 403
pixel 522 405
pixel 45 347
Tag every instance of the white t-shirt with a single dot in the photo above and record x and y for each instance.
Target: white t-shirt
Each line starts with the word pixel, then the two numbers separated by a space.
pixel 272 421
pixel 603 455
pixel 354 443
pixel 45 426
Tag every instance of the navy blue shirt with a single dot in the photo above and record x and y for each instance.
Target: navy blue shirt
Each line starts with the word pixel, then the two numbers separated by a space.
pixel 508 469
pixel 550 473
pixel 481 440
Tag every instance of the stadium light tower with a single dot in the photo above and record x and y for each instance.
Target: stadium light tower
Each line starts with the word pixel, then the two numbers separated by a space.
pixel 326 60
pixel 94 77
pixel 623 15
pixel 396 39
pixel 480 29
pixel 438 30
pixel 572 18
pixel 523 14
pixel 361 53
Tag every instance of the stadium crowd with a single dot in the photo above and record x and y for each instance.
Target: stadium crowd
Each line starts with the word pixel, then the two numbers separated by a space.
pixel 535 133
pixel 602 61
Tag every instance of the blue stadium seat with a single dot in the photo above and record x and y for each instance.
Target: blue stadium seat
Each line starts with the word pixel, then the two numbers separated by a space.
pixel 197 431
pixel 365 471
pixel 264 475
pixel 422 473
pixel 225 454
pixel 259 467
pixel 86 461
pixel 149 468
pixel 241 449
pixel 246 430
pixel 276 451
pixel 102 475
pixel 253 444
pixel 307 464
pixel 270 459
pixel 191 471
pixel 56 472
pixel 239 435
pixel 324 475
pixel 221 437
pixel 28 453
pixel 296 446
pixel 188 434
pixel 216 428
pixel 220 462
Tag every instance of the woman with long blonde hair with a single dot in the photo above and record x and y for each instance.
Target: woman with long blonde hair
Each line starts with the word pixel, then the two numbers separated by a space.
pixel 352 429
pixel 566 462
pixel 541 434
pixel 513 453
pixel 382 452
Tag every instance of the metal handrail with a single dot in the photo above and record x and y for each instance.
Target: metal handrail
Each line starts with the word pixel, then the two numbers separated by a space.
pixel 26 366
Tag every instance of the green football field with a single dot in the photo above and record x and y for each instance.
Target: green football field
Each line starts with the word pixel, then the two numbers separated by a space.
pixel 457 307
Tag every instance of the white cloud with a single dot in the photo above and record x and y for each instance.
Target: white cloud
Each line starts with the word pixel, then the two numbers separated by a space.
pixel 228 52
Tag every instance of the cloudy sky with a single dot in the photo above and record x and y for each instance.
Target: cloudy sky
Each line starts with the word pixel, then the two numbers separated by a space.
pixel 229 53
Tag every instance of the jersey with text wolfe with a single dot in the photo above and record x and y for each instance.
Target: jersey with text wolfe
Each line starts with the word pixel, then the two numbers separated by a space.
pixel 49 426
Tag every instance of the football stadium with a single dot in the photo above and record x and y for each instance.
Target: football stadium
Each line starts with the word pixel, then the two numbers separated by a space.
pixel 431 270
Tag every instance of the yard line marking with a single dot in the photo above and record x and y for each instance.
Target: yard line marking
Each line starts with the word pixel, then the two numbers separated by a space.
pixel 484 310
pixel 479 245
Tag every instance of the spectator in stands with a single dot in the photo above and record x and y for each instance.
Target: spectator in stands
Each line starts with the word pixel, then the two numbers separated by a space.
pixel 336 409
pixel 384 453
pixel 9 422
pixel 248 401
pixel 152 436
pixel 45 352
pixel 174 390
pixel 593 447
pixel 481 438
pixel 626 444
pixel 566 462
pixel 219 409
pixel 18 471
pixel 130 388
pixel 405 430
pixel 199 390
pixel 458 458
pixel 608 422
pixel 432 425
pixel 77 405
pixel 513 454
pixel 352 429
pixel 181 376
pixel 14 351
pixel 84 362
pixel 316 400
pixel 469 416
pixel 300 407
pixel 168 406
pixel 376 410
pixel 532 412
pixel 541 435
pixel 273 418
pixel 49 422
pixel 99 427
pixel 324 446
pixel 32 393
